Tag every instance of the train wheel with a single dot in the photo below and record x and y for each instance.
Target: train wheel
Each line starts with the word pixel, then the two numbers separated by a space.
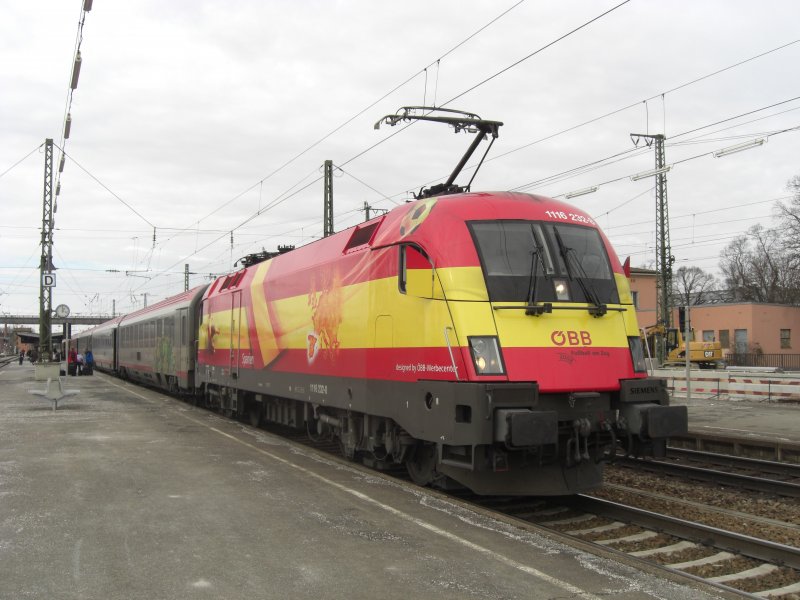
pixel 421 465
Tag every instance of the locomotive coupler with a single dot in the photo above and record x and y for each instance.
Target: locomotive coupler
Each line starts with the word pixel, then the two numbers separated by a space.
pixel 581 428
pixel 611 456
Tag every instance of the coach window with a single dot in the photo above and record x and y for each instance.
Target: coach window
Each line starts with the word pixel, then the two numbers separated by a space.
pixel 786 338
pixel 183 330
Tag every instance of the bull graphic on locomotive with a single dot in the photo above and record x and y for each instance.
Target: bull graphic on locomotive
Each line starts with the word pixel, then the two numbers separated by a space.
pixel 487 340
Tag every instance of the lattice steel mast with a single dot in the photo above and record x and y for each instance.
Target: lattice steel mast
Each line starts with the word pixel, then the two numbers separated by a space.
pixel 46 275
pixel 664 258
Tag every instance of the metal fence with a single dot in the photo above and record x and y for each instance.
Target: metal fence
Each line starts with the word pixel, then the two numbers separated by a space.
pixel 788 362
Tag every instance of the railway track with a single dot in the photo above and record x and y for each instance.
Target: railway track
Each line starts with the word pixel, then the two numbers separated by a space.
pixel 780 469
pixel 746 564
pixel 733 562
pixel 780 479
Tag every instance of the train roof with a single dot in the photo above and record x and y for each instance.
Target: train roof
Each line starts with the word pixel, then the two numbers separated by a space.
pixel 171 303
pixel 437 225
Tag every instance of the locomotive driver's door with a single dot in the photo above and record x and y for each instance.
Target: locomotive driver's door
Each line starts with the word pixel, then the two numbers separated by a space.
pixel 236 333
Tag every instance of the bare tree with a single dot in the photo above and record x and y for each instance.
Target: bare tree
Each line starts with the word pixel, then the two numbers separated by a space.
pixel 760 267
pixel 692 285
pixel 789 215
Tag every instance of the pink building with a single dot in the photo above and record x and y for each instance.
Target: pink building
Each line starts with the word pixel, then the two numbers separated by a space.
pixel 745 327
pixel 643 289
pixel 741 327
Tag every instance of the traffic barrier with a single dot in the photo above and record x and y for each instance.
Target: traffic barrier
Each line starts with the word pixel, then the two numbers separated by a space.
pixel 736 386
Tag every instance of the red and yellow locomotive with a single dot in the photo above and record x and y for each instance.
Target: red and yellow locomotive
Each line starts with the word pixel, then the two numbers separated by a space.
pixel 487 338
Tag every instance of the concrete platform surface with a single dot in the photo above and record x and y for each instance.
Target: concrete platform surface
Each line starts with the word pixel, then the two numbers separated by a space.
pixel 124 493
pixel 759 419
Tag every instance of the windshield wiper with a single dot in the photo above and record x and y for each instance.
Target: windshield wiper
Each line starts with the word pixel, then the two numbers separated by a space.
pixel 599 309
pixel 536 259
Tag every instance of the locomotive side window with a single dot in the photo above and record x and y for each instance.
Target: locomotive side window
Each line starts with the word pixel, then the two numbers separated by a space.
pixel 526 261
pixel 415 274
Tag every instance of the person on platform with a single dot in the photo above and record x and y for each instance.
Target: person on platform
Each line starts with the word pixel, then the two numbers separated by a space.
pixel 88 360
pixel 21 356
pixel 81 361
pixel 72 362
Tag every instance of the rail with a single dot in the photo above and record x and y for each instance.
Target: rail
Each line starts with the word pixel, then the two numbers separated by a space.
pixel 779 468
pixel 729 541
pixel 737 480
pixel 751 447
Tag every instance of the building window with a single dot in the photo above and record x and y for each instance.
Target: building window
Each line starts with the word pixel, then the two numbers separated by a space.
pixel 635 299
pixel 708 335
pixel 786 338
pixel 725 338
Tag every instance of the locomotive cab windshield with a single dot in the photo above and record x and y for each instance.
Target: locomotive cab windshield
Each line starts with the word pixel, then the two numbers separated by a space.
pixel 539 262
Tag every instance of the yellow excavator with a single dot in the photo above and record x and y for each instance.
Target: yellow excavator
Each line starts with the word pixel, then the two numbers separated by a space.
pixel 706 355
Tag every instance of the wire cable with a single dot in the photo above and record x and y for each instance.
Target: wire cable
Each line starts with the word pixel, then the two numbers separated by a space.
pixel 20 161
pixel 535 52
pixel 361 112
pixel 109 190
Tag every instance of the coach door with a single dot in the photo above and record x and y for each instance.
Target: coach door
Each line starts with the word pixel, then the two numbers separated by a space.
pixel 236 333
pixel 181 343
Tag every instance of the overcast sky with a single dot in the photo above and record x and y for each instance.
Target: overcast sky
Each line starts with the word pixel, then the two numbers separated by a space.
pixel 187 111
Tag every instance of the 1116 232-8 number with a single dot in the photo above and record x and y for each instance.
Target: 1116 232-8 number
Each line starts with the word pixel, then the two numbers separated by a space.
pixel 557 214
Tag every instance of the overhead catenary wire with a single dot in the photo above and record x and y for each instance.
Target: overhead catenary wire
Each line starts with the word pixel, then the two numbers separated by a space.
pixel 388 137
pixel 77 59
pixel 629 106
pixel 361 112
pixel 20 161
pixel 108 189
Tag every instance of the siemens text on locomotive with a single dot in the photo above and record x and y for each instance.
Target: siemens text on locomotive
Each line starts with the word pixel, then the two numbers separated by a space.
pixel 487 339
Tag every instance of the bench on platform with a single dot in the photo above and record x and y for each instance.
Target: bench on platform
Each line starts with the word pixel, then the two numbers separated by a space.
pixel 54 392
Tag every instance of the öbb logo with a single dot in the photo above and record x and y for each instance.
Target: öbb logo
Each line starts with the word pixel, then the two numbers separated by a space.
pixel 571 338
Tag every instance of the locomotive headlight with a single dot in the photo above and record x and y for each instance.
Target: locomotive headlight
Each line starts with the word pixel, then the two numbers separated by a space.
pixel 637 354
pixel 562 289
pixel 486 355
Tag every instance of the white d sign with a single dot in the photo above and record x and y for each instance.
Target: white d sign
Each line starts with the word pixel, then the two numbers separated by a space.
pixel 49 279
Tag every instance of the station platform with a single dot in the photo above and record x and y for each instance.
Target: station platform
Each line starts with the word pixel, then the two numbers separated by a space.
pixel 753 425
pixel 125 493
pixel 743 418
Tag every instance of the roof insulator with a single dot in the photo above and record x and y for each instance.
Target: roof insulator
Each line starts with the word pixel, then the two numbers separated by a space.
pixel 76 70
